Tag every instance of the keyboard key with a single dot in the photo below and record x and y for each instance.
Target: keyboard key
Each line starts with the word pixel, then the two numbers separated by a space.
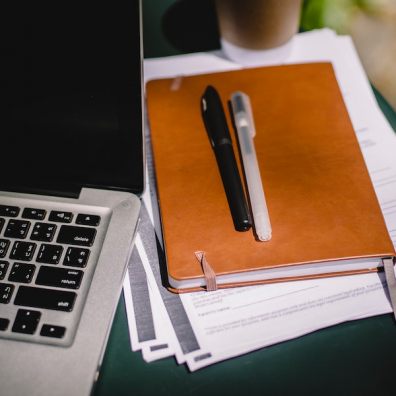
pixel 88 220
pixel 26 321
pixel 22 251
pixel 4 244
pixel 61 217
pixel 49 254
pixel 59 277
pixel 22 273
pixel 6 291
pixel 34 214
pixel 59 300
pixel 17 229
pixel 76 257
pixel 9 211
pixel 2 221
pixel 52 331
pixel 43 232
pixel 72 235
pixel 4 324
pixel 3 268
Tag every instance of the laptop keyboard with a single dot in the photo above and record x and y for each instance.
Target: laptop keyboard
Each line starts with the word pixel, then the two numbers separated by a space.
pixel 47 260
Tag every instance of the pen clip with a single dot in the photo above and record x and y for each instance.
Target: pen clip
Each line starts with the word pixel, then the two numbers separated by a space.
pixel 242 110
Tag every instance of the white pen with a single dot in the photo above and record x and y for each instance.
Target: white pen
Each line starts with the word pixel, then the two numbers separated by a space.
pixel 244 125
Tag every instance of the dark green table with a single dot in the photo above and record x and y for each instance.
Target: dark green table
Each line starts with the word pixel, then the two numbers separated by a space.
pixel 354 358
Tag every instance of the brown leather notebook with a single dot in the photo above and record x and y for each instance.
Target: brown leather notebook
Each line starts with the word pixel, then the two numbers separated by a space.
pixel 325 217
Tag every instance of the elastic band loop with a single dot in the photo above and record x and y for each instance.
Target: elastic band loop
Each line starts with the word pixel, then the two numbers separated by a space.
pixel 176 83
pixel 209 274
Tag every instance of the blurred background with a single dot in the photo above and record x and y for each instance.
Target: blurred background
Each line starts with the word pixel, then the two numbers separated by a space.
pixel 182 26
pixel 372 26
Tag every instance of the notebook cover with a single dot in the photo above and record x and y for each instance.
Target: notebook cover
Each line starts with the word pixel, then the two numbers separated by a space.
pixel 319 194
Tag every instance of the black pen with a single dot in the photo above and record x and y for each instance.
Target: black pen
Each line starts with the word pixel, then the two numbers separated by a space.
pixel 220 139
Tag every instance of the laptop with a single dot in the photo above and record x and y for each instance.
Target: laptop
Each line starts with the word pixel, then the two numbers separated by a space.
pixel 72 171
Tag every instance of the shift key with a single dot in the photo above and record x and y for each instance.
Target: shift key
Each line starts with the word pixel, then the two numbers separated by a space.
pixel 38 297
pixel 72 235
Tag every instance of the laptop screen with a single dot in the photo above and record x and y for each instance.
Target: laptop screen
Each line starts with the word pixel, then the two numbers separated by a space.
pixel 71 91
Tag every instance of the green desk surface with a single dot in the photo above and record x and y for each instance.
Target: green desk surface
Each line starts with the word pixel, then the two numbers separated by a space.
pixel 353 358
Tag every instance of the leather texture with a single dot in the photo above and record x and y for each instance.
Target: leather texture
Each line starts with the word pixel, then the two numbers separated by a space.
pixel 320 198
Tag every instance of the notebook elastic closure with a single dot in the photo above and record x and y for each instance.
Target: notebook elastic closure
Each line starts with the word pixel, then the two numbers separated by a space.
pixel 209 274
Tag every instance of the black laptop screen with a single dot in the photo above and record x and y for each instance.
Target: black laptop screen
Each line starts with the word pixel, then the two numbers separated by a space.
pixel 71 91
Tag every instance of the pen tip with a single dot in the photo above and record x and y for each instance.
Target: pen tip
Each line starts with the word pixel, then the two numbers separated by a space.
pixel 210 90
pixel 264 237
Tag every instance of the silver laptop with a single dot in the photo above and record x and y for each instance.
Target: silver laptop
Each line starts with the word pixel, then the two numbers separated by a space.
pixel 71 172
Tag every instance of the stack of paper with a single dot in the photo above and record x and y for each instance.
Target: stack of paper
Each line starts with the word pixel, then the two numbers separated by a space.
pixel 203 328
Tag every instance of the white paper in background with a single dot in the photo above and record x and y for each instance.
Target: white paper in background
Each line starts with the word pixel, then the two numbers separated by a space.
pixel 144 321
pixel 172 339
pixel 137 300
pixel 162 348
pixel 196 63
pixel 225 326
pixel 369 117
pixel 133 335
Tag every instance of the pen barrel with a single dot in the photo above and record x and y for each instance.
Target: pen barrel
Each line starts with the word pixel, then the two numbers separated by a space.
pixel 214 117
pixel 254 183
pixel 233 186
pixel 220 139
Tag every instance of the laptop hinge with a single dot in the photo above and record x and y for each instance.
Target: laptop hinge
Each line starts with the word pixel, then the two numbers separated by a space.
pixel 69 191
